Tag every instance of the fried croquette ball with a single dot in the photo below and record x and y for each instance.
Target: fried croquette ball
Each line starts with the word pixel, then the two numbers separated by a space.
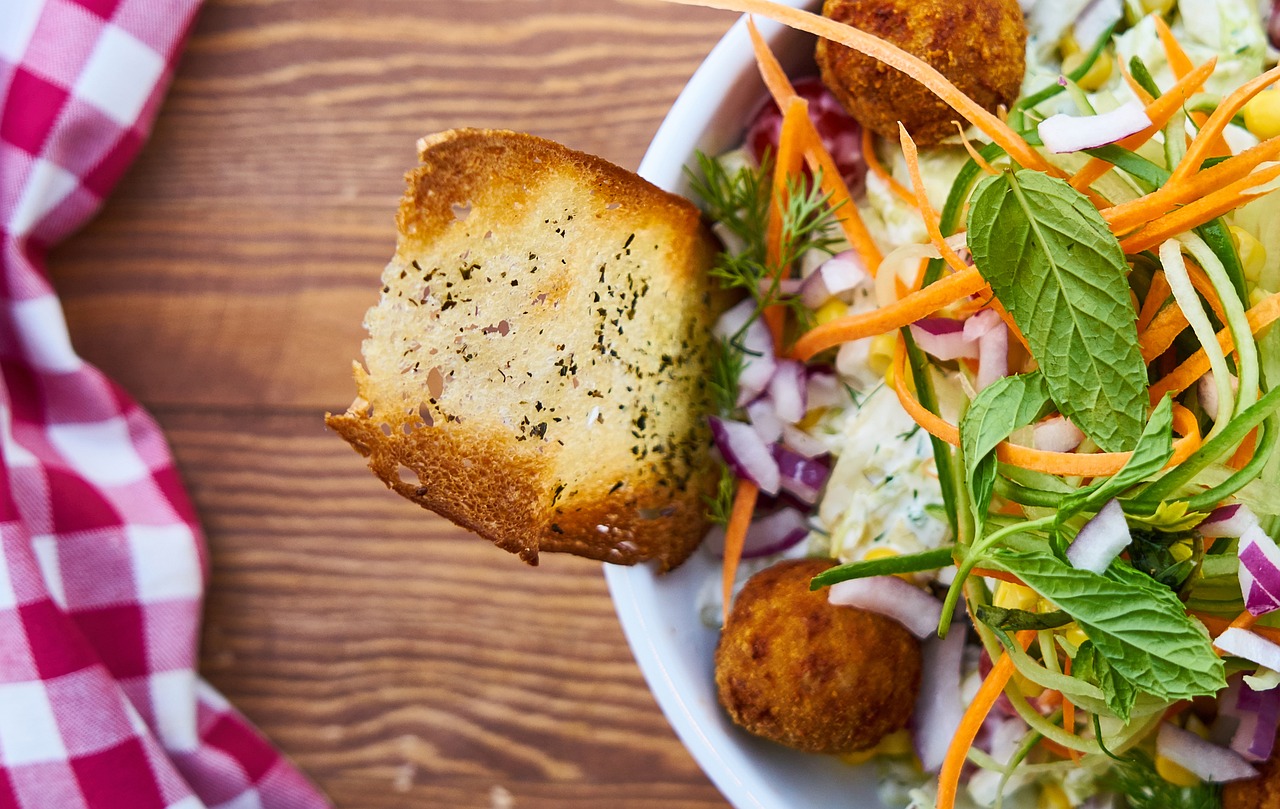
pixel 979 45
pixel 823 678
pixel 1262 792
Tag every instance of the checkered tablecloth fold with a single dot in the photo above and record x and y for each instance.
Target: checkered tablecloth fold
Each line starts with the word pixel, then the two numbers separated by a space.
pixel 102 563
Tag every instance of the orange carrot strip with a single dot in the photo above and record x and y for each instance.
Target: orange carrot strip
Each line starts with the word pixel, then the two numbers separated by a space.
pixel 1197 365
pixel 927 213
pixel 1127 215
pixel 775 78
pixel 786 168
pixel 900 313
pixel 735 536
pixel 1245 451
pixel 1069 464
pixel 1205 287
pixel 898 59
pixel 816 155
pixel 1157 294
pixel 877 168
pixel 1212 129
pixel 1159 111
pixel 974 154
pixel 1217 625
pixel 997 574
pixel 1069 715
pixel 1182 65
pixel 974 716
pixel 1138 89
pixel 1197 213
pixel 1162 331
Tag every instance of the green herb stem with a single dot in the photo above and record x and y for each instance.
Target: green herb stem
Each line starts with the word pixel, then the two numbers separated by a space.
pixel 908 563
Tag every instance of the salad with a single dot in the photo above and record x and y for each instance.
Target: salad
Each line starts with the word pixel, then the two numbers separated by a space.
pixel 1028 376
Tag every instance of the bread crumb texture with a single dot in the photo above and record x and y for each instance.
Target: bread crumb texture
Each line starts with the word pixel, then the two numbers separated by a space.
pixel 537 363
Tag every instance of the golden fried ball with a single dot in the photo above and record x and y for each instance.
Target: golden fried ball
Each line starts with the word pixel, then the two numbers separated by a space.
pixel 979 45
pixel 800 671
pixel 1262 792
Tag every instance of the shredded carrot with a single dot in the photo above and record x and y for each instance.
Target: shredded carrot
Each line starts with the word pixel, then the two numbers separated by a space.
pixel 1217 625
pixel 787 167
pixel 971 722
pixel 898 59
pixel 1245 620
pixel 817 157
pixel 927 213
pixel 1138 90
pixel 900 313
pixel 1205 287
pixel 1159 111
pixel 872 159
pixel 973 153
pixel 1178 59
pixel 1157 294
pixel 1203 144
pixel 1244 452
pixel 1162 331
pixel 1197 365
pixel 1128 215
pixel 1061 751
pixel 735 536
pixel 1069 715
pixel 987 573
pixel 1067 464
pixel 1202 210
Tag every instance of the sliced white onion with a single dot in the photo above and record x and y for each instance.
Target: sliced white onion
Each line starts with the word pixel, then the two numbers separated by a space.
pixel 1250 646
pixel 1207 393
pixel 1100 540
pixel 944 338
pixel 939 707
pixel 840 273
pixel 1057 434
pixel 1095 19
pixel 788 390
pixel 993 346
pixel 823 389
pixel 1228 521
pixel 1208 761
pixel 892 597
pixel 800 441
pixel 765 420
pixel 1259 571
pixel 1072 133
pixel 746 454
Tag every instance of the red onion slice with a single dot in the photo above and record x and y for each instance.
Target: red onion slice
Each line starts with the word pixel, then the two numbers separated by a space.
pixel 765 420
pixel 944 339
pixel 768 535
pixel 1057 434
pixel 1206 760
pixel 758 364
pixel 748 456
pixel 824 389
pixel 939 706
pixel 1100 540
pixel 789 390
pixel 801 442
pixel 840 273
pixel 1228 521
pixel 1259 571
pixel 1259 715
pixel 803 477
pixel 1071 133
pixel 892 597
pixel 1250 646
pixel 1095 19
pixel 993 353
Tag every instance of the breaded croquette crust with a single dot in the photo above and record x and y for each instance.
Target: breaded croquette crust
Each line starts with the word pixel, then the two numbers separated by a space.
pixel 798 670
pixel 979 45
pixel 1262 792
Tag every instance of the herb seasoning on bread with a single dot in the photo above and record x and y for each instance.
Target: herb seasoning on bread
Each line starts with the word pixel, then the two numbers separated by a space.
pixel 536 367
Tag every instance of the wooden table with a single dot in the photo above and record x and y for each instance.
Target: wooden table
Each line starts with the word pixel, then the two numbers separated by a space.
pixel 399 661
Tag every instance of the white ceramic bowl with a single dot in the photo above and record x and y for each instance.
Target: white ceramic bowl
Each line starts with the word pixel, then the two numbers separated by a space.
pixel 657 612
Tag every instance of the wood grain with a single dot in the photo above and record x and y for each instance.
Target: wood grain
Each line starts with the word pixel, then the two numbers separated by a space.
pixel 398 660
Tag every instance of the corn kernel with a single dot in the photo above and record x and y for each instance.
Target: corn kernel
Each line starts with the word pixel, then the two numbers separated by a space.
pixel 1068 44
pixel 859 756
pixel 812 418
pixel 1053 796
pixel 1180 551
pixel 1097 74
pixel 1253 256
pixel 829 311
pixel 1175 774
pixel 1074 634
pixel 1010 596
pixel 880 355
pixel 1262 114
pixel 1157 6
pixel 1029 689
pixel 896 744
pixel 880 552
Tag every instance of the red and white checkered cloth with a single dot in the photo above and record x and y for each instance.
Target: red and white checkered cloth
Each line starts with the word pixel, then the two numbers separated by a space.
pixel 102 564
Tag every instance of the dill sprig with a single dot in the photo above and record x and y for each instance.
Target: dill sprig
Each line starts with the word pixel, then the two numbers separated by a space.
pixel 1137 781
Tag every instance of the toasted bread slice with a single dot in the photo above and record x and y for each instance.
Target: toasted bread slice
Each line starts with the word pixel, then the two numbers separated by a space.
pixel 537 364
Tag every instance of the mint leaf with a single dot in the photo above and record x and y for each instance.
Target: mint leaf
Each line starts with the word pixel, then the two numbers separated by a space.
pixel 1138 625
pixel 1011 620
pixel 1154 449
pixel 1002 407
pixel 1092 667
pixel 1057 268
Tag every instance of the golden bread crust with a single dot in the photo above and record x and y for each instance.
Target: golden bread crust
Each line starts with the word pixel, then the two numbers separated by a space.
pixel 537 361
